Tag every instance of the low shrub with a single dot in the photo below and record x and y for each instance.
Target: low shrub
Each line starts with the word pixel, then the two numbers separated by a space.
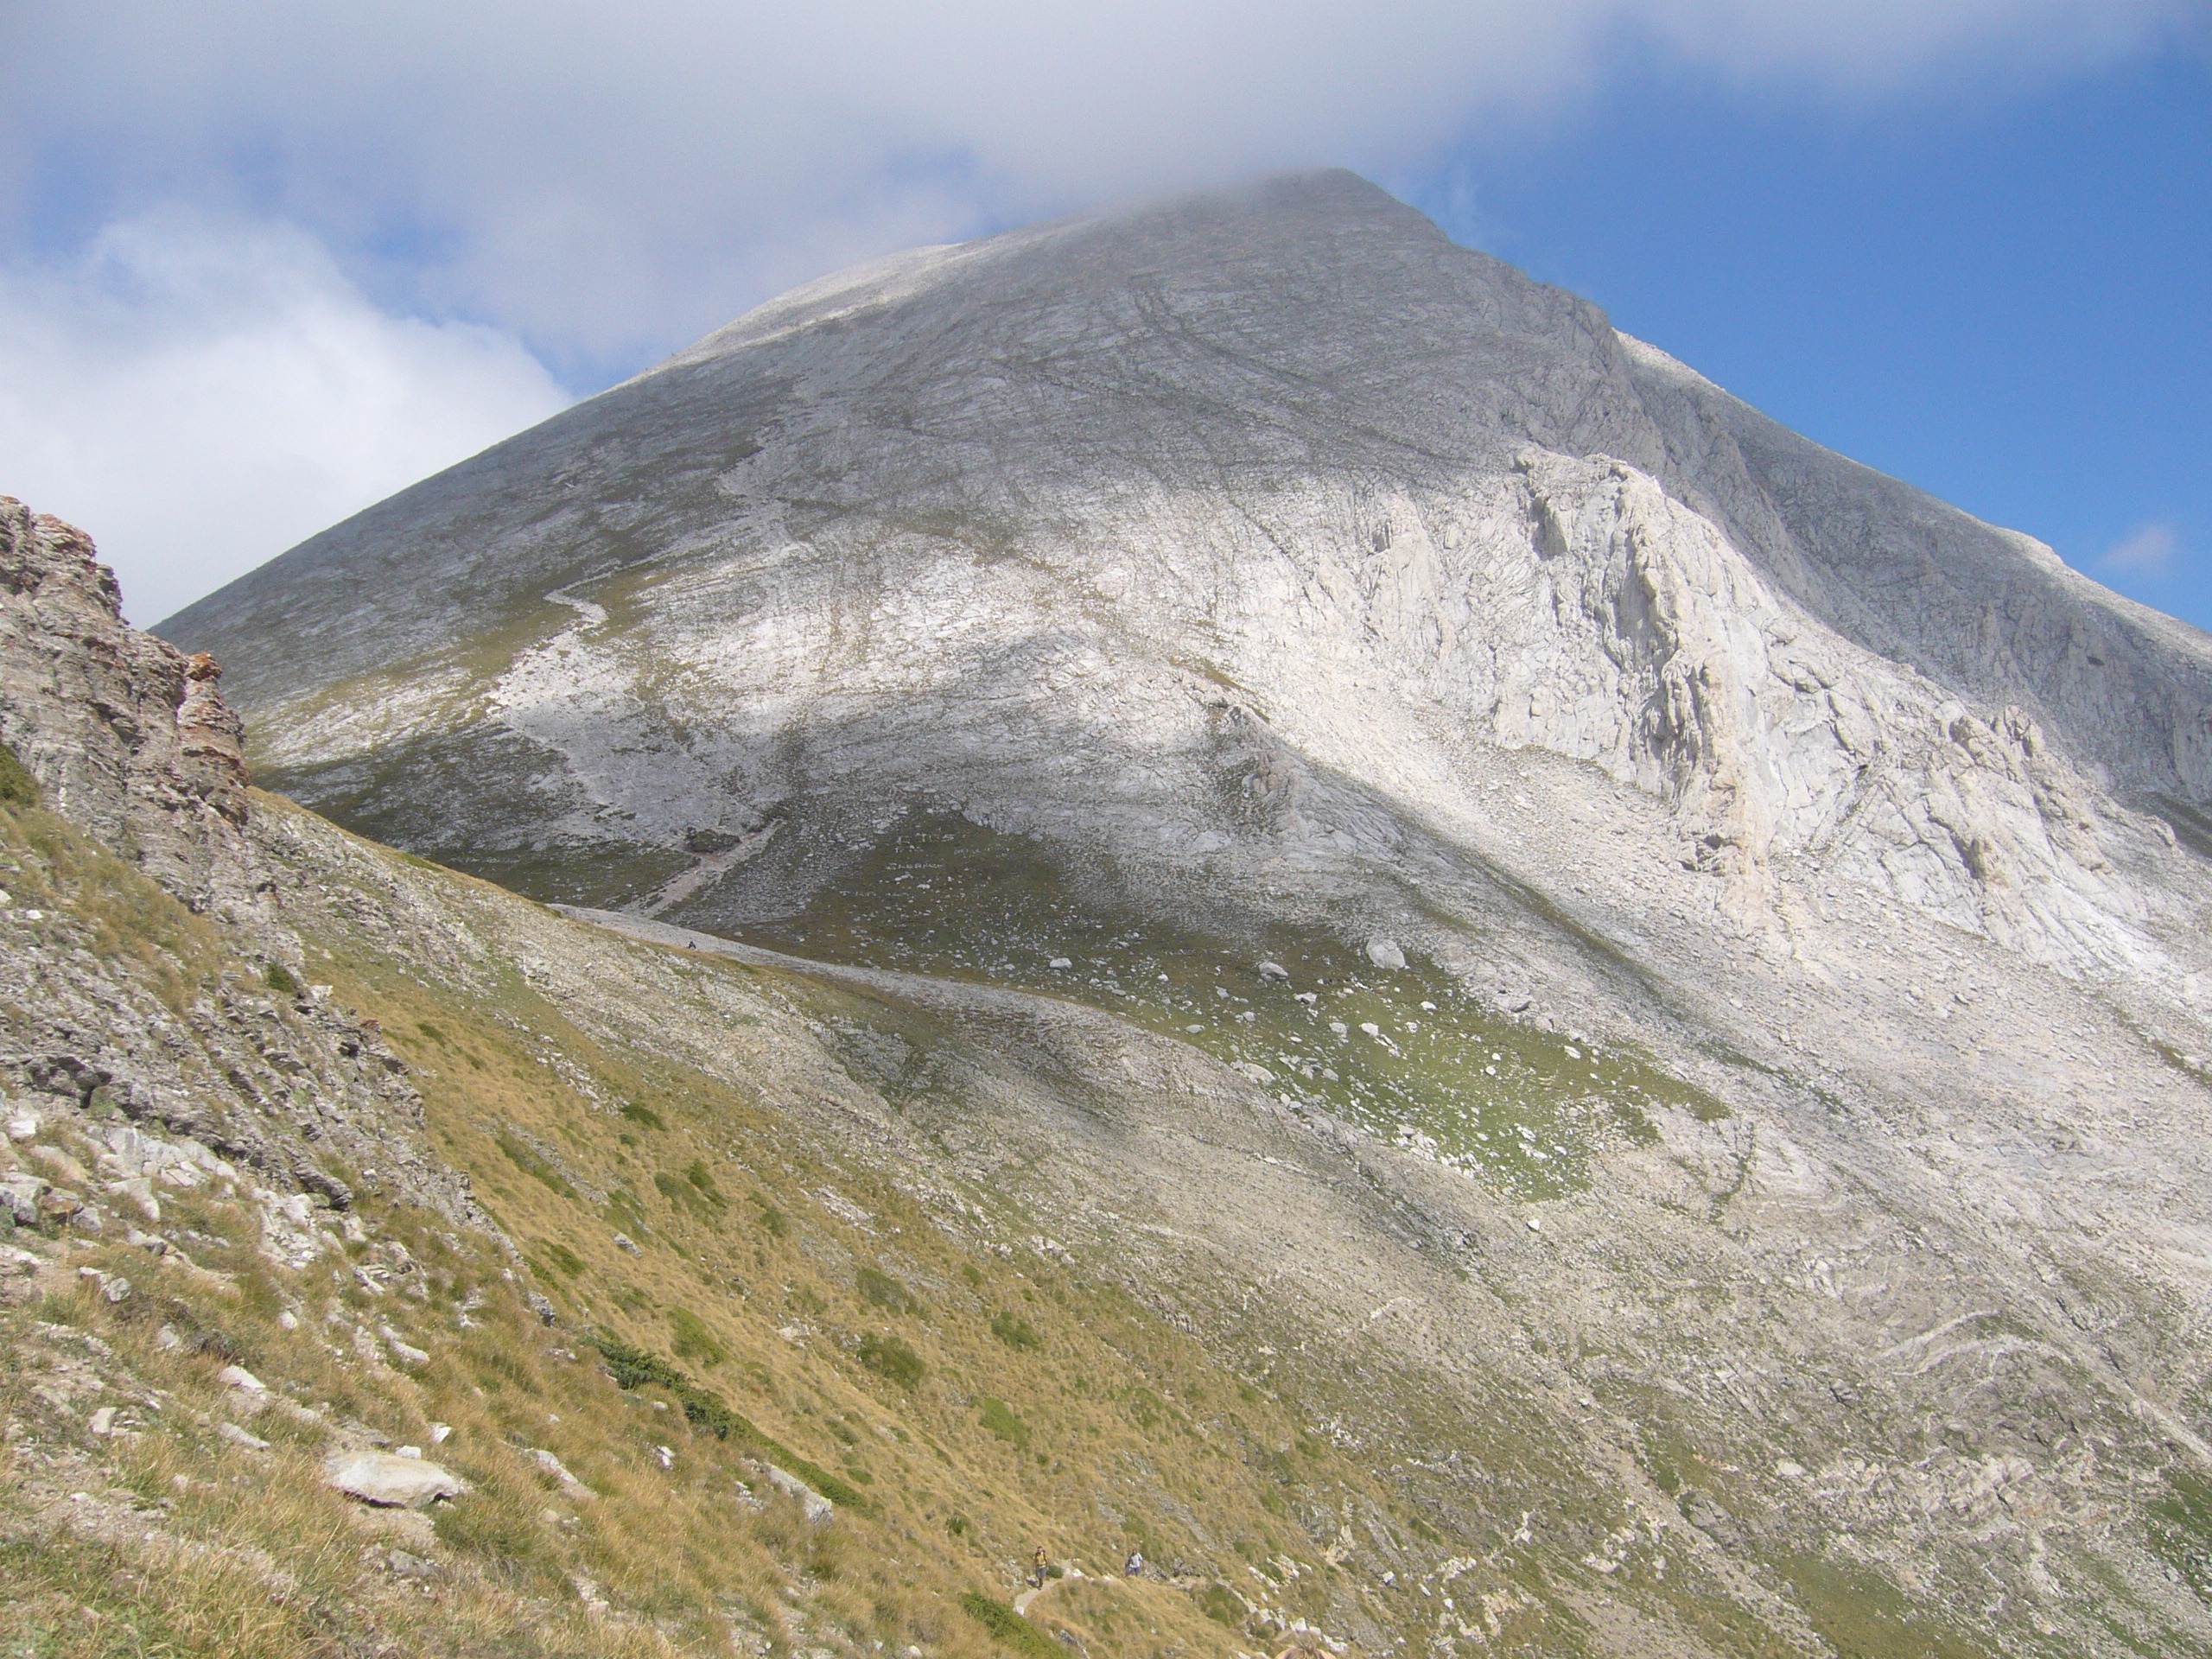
pixel 633 1368
pixel 702 1183
pixel 879 1289
pixel 1220 1605
pixel 999 1418
pixel 1009 1627
pixel 888 1357
pixel 526 1159
pixel 565 1259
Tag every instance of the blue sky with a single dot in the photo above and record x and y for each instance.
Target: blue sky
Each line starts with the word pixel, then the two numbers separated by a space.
pixel 261 264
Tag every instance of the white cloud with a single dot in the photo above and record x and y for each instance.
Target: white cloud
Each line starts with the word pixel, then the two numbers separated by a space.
pixel 201 395
pixel 603 181
pixel 616 177
pixel 2147 552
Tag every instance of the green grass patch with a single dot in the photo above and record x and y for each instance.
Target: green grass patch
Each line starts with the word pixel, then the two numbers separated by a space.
pixel 2181 1529
pixel 17 786
pixel 888 1357
pixel 1008 1626
pixel 1863 1616
pixel 702 1181
pixel 1219 1604
pixel 634 1368
pixel 879 1289
pixel 526 1159
pixel 565 1259
pixel 502 1532
pixel 999 1418
pixel 694 1341
pixel 1412 1055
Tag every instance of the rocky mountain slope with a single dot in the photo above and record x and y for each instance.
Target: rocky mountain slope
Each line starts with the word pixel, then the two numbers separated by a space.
pixel 692 1367
pixel 1636 982
pixel 675 1295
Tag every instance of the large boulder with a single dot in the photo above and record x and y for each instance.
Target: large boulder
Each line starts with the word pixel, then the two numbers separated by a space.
pixel 391 1481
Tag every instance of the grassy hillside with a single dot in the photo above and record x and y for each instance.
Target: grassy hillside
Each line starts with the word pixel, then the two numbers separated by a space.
pixel 1407 1051
pixel 722 1300
pixel 758 1238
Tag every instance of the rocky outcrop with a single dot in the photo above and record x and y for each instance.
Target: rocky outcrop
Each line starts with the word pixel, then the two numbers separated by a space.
pixel 390 1482
pixel 1651 646
pixel 186 1070
pixel 211 740
pixel 124 735
pixel 1992 615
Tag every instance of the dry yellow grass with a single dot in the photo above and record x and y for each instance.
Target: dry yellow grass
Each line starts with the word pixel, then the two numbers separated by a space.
pixel 966 1408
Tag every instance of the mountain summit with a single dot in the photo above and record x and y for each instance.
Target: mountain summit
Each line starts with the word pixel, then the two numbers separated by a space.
pixel 1750 911
pixel 1205 539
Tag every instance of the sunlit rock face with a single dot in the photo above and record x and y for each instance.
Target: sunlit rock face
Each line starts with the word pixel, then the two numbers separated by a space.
pixel 1232 540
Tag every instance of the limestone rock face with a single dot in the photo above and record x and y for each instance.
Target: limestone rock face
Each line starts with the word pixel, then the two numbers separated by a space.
pixel 125 736
pixel 1240 540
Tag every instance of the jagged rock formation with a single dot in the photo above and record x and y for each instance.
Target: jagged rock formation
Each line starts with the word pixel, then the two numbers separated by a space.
pixel 125 735
pixel 211 738
pixel 253 1078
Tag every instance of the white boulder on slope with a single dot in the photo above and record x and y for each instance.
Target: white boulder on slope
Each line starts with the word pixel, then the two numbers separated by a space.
pixel 392 1482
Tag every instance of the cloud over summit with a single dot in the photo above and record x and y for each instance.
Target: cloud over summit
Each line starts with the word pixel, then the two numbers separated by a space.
pixel 264 258
pixel 2147 552
pixel 608 179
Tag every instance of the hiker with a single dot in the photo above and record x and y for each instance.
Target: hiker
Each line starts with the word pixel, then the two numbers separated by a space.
pixel 1133 1568
pixel 1036 1573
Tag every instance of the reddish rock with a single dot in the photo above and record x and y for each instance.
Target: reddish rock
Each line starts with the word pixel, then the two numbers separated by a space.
pixel 211 740
pixel 126 736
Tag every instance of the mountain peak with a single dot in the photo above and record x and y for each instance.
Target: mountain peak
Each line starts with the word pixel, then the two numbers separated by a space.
pixel 1687 852
pixel 1327 225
